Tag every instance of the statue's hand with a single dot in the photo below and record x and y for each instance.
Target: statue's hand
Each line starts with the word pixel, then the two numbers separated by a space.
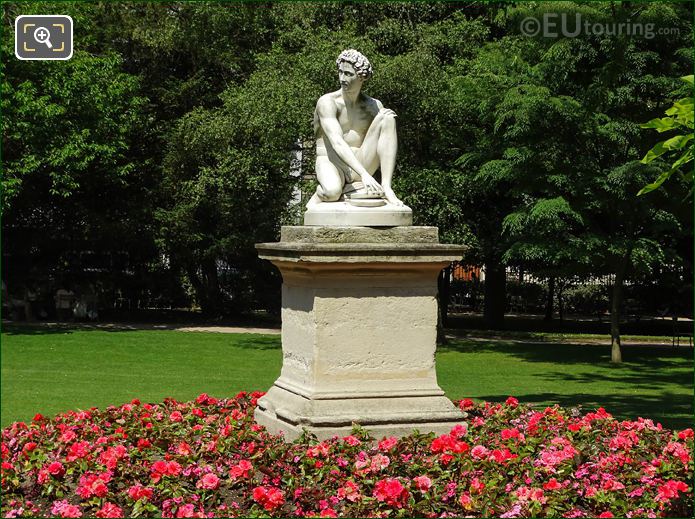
pixel 371 185
pixel 387 111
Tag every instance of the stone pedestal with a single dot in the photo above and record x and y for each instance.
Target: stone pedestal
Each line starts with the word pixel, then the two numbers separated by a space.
pixel 359 316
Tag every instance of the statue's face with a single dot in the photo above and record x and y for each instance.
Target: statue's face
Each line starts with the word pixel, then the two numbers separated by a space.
pixel 350 81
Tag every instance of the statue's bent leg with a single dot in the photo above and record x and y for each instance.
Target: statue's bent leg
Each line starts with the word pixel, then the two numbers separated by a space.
pixel 379 150
pixel 331 180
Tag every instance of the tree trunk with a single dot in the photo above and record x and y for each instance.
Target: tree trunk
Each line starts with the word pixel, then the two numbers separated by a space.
pixel 444 286
pixel 551 296
pixel 213 296
pixel 495 294
pixel 560 303
pixel 616 353
pixel 206 286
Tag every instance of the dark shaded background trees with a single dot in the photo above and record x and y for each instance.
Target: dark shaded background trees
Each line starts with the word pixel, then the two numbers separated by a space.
pixel 179 133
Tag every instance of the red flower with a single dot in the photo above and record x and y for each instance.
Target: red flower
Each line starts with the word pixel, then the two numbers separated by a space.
pixel 29 446
pixel 143 443
pixel 241 470
pixel 78 450
pixel 109 510
pixel 670 490
pixel 56 468
pixel 685 434
pixel 208 482
pixel 327 512
pixel 269 498
pixel 552 484
pixel 606 514
pixel 137 492
pixel 466 404
pixel 387 443
pixel 391 491
pixel 183 449
pixel 511 401
pixel 176 416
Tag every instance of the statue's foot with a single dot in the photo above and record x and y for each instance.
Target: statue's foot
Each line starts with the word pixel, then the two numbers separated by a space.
pixel 391 197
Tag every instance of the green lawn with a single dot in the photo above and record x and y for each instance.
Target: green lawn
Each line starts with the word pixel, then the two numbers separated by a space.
pixel 52 370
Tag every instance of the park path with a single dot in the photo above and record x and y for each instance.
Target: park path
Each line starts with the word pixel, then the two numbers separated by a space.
pixel 470 335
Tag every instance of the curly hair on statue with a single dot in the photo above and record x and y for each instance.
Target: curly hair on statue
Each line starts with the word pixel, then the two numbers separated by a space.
pixel 358 60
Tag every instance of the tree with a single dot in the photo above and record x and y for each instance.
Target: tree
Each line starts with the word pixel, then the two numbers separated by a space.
pixel 678 117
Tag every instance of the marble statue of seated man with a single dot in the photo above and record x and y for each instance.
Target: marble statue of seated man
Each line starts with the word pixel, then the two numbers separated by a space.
pixel 355 137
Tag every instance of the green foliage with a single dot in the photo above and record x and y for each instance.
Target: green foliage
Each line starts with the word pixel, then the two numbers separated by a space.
pixel 678 118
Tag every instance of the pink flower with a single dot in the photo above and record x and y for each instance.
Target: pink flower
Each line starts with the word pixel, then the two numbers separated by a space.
pixel 423 483
pixel 466 500
pixel 109 510
pixel 43 477
pixel 65 509
pixel 459 431
pixel 176 416
pixel 479 452
pixel 67 436
pixel 477 486
pixel 350 491
pixel 391 492
pixel 318 450
pixel 93 485
pixel 328 512
pixel 351 440
pixel 208 482
pixel 269 498
pixel 188 510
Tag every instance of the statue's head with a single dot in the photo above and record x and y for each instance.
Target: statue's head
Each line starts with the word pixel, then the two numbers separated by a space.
pixel 358 61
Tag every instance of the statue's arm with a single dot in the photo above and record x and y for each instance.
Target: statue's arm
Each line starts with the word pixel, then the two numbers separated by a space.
pixel 334 133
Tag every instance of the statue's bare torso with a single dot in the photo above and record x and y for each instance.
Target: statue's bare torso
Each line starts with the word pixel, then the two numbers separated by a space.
pixel 354 120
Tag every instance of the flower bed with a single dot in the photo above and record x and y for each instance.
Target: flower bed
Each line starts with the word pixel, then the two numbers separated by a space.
pixel 206 458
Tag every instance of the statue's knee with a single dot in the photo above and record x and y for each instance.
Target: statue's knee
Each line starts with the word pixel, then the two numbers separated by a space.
pixel 388 119
pixel 331 194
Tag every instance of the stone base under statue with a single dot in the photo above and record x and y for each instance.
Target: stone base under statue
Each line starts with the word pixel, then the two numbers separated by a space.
pixel 345 214
pixel 359 316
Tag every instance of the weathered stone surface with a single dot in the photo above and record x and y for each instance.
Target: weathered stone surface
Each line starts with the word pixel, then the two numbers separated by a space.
pixel 358 332
pixel 347 234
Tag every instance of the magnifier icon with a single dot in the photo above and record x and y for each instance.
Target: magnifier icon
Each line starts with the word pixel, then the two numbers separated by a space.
pixel 42 35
